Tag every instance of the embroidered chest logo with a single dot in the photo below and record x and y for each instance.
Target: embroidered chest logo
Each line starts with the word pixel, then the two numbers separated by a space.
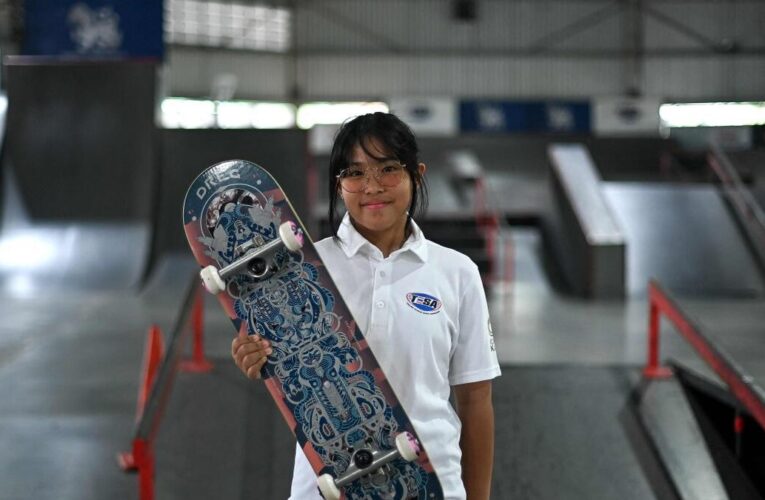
pixel 423 303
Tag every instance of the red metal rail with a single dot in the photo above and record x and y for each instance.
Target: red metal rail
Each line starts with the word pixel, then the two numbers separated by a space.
pixel 158 373
pixel 198 362
pixel 488 220
pixel 741 385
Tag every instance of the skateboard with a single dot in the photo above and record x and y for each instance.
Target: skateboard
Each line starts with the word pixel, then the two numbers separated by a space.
pixel 257 257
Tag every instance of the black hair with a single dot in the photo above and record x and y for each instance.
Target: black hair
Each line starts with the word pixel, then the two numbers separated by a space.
pixel 395 136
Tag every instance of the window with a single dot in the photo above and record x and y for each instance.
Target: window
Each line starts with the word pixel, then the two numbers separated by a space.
pixel 332 113
pixel 199 113
pixel 228 25
pixel 188 113
pixel 712 114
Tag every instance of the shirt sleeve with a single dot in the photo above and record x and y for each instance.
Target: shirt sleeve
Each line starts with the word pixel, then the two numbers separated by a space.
pixel 304 485
pixel 474 357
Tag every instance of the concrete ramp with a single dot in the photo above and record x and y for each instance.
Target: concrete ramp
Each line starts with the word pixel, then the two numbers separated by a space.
pixel 78 167
pixel 685 237
pixel 61 257
pixel 670 423
pixel 57 258
pixel 582 231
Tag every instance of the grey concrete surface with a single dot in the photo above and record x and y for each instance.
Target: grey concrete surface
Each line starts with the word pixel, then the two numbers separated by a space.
pixel 685 237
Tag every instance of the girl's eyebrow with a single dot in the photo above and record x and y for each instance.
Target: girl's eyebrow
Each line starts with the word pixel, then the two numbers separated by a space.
pixel 379 160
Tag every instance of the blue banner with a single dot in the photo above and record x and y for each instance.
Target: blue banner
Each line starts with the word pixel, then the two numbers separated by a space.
pixel 525 116
pixel 94 28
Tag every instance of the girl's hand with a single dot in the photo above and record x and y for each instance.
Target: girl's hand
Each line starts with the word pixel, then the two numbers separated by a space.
pixel 250 353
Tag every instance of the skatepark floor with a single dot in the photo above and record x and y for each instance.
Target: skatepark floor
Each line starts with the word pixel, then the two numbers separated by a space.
pixel 69 366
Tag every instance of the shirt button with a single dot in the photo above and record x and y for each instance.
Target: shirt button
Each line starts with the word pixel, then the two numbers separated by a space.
pixel 380 304
pixel 382 273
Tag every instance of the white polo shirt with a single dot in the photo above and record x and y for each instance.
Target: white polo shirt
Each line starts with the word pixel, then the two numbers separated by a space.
pixel 422 350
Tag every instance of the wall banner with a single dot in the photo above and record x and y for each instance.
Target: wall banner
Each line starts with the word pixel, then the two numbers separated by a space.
pixel 94 28
pixel 525 116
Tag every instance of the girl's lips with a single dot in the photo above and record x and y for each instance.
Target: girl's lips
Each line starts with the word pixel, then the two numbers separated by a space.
pixel 375 205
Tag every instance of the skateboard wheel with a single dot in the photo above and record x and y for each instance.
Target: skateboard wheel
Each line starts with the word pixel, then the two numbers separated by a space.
pixel 328 488
pixel 293 241
pixel 210 277
pixel 407 446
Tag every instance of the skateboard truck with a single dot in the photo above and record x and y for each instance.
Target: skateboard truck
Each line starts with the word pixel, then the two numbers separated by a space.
pixel 365 461
pixel 254 263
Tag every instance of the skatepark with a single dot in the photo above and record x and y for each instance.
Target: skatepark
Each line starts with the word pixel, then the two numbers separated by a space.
pixel 606 257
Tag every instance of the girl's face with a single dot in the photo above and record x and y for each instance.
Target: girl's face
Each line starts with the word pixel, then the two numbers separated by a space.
pixel 377 210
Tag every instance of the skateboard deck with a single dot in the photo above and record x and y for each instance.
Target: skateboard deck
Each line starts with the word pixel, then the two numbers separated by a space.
pixel 322 374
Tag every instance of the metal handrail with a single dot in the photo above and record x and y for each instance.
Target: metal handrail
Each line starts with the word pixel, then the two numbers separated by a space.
pixel 744 388
pixel 748 211
pixel 152 413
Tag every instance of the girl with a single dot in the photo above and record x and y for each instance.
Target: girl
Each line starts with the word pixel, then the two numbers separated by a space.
pixel 379 258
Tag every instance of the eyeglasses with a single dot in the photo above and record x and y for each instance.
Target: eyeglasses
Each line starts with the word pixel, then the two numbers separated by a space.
pixel 355 179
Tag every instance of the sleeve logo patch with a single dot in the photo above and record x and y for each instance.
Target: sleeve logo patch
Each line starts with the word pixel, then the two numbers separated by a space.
pixel 423 303
pixel 491 338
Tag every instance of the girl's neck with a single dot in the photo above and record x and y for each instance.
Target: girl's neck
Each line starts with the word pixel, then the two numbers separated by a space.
pixel 386 241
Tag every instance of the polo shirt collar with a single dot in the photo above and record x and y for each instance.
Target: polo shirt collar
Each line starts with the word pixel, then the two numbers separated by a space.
pixel 352 242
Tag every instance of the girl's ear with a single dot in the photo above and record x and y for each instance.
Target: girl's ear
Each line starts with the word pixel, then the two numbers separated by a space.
pixel 421 168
